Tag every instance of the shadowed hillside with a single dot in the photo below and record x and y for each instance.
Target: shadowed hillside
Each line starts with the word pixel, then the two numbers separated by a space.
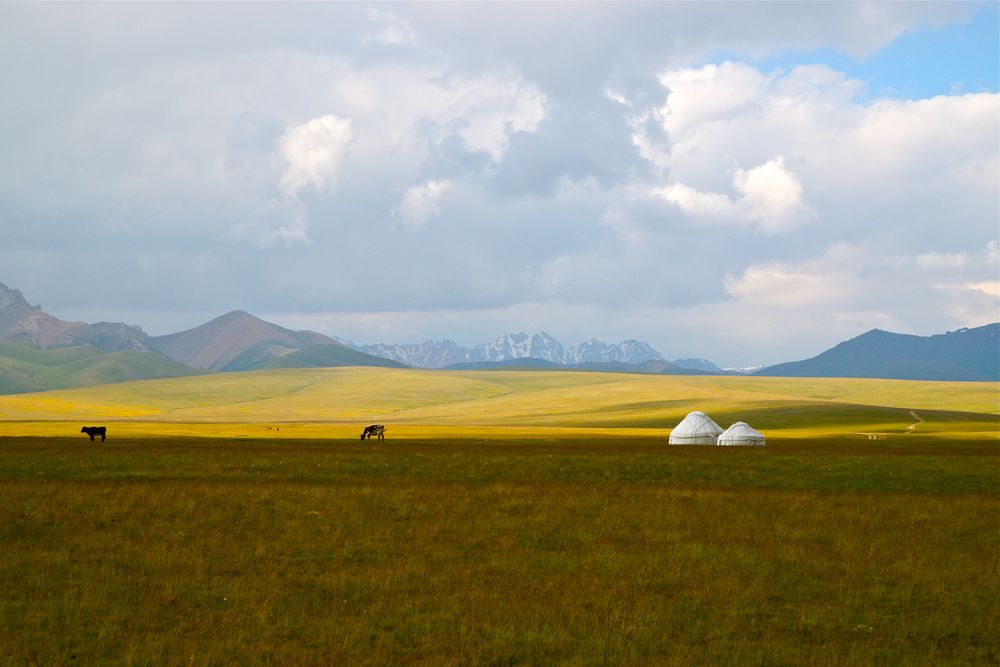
pixel 963 355
pixel 329 356
pixel 26 369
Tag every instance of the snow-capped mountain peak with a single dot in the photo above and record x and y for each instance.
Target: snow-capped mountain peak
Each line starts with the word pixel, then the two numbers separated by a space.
pixel 515 345
pixel 520 345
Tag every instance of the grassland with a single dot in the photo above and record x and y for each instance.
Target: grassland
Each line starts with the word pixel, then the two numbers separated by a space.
pixel 334 402
pixel 510 552
pixel 511 518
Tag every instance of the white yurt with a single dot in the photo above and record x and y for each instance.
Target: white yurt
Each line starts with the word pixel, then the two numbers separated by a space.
pixel 741 433
pixel 695 429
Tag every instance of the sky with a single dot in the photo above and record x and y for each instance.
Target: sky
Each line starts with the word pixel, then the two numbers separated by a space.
pixel 746 182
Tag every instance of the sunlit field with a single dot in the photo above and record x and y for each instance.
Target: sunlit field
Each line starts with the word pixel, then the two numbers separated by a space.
pixel 426 404
pixel 509 518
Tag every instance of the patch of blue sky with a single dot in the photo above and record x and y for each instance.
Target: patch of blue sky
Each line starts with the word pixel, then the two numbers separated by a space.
pixel 954 59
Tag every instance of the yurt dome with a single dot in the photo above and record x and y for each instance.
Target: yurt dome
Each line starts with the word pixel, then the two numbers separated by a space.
pixel 695 429
pixel 741 433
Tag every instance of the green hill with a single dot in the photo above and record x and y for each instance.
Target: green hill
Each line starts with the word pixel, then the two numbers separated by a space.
pixel 26 369
pixel 328 356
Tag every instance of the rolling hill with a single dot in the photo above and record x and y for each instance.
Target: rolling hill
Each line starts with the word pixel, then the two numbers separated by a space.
pixel 648 367
pixel 963 355
pixel 522 364
pixel 329 356
pixel 24 368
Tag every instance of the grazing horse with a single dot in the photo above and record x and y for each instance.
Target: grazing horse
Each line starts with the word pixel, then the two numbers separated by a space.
pixel 95 430
pixel 378 430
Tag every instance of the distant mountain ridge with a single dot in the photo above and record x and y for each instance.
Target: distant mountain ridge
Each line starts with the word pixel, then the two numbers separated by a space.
pixel 233 342
pixel 703 365
pixel 240 341
pixel 512 346
pixel 429 354
pixel 963 355
pixel 21 322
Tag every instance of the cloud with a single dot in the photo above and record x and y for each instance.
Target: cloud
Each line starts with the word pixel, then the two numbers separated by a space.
pixel 849 282
pixel 821 154
pixel 711 206
pixel 771 199
pixel 709 94
pixel 771 196
pixel 796 285
pixel 486 110
pixel 314 151
pixel 294 230
pixel 394 30
pixel 580 139
pixel 271 148
pixel 989 287
pixel 421 203
pixel 402 111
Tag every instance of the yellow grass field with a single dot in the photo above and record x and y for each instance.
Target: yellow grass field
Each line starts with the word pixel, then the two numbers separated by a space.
pixel 335 403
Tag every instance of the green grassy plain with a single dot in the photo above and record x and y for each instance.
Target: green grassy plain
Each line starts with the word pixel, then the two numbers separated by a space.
pixel 510 518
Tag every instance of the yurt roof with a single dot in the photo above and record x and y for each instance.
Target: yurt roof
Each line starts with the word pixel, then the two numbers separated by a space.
pixel 697 423
pixel 741 430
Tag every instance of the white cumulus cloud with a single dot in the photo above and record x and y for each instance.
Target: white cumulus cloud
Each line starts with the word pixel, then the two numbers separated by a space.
pixel 698 96
pixel 771 199
pixel 822 151
pixel 421 203
pixel 313 152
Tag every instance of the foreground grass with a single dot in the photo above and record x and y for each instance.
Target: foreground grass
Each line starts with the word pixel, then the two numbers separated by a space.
pixel 578 551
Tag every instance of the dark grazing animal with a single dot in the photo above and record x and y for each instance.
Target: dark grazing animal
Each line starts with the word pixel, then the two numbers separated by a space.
pixel 378 430
pixel 95 430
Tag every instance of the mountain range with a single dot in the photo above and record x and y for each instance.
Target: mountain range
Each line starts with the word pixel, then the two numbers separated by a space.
pixel 520 345
pixel 963 355
pixel 240 341
pixel 20 322
pixel 39 351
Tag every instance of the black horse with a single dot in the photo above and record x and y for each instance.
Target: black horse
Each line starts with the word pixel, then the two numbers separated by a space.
pixel 95 430
pixel 377 430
